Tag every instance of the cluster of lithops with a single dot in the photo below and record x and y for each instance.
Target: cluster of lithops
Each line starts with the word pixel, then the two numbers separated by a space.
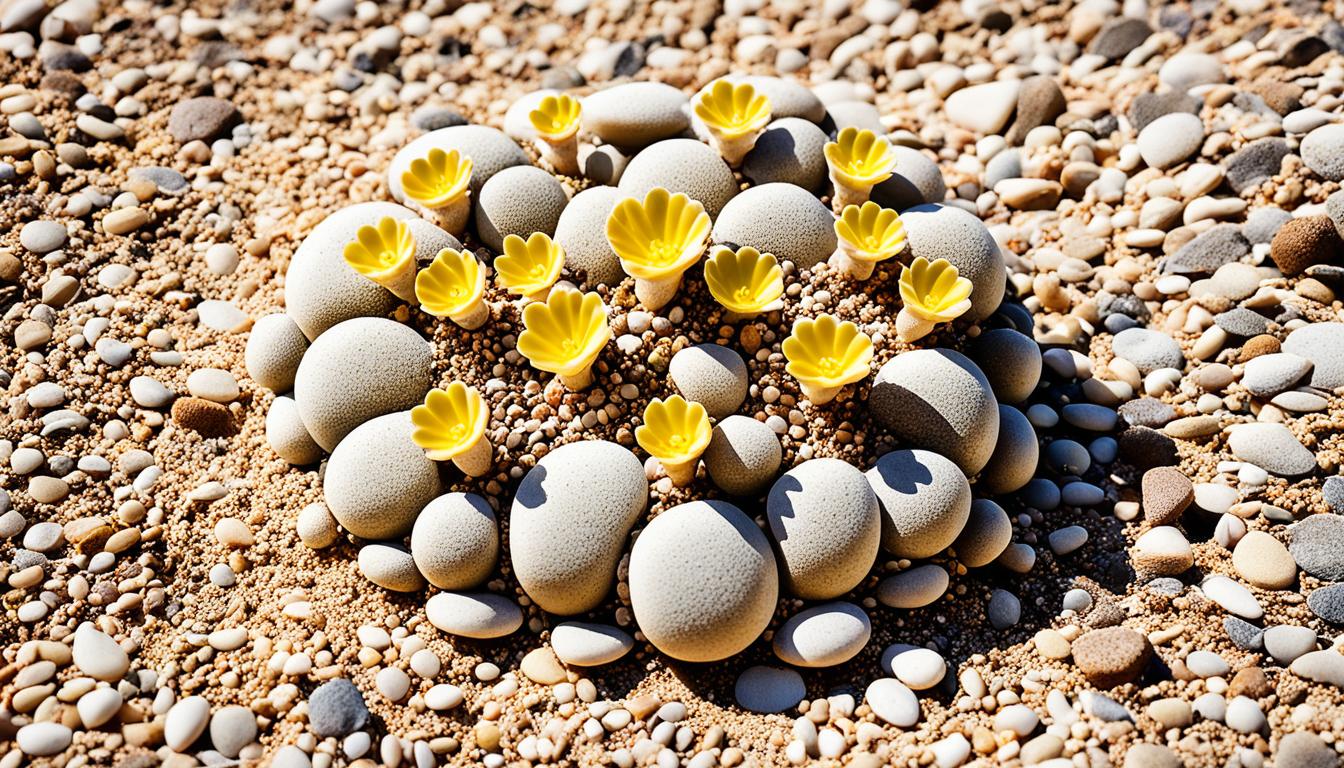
pixel 703 577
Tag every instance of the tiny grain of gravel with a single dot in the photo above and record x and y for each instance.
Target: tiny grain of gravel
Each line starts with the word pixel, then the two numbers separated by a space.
pixel 161 163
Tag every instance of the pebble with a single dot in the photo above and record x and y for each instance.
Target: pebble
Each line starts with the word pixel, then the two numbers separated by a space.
pixel 213 384
pixel 480 616
pixel 231 729
pixel 393 683
pixel 1286 642
pixel 42 236
pixel 823 636
pixel 1264 562
pixel 1171 139
pixel 1233 597
pixel 589 645
pixel 337 708
pixel 983 108
pixel 1244 715
pixel 1305 750
pixel 1325 666
pixel 1314 546
pixel 1304 242
pixel 98 706
pixel 913 588
pixel 43 739
pixel 1272 447
pixel 98 655
pixel 918 668
pixel 201 119
pixel 1206 664
pixel 1323 151
pixel 1148 350
pixel 1111 656
pixel 1163 550
pixel 1328 603
pixel 1323 345
pixel 767 690
pixel 892 702
pixel 1166 494
pixel 185 722
pixel 1004 609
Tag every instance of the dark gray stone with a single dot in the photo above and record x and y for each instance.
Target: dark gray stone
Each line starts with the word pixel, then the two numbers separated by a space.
pixel 1120 36
pixel 1333 492
pixel 1254 163
pixel 1242 322
pixel 1147 107
pixel 433 118
pixel 1264 223
pixel 1316 544
pixel 202 118
pixel 1219 245
pixel 1147 412
pixel 1244 634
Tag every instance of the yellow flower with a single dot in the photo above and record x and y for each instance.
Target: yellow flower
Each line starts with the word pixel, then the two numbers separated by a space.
pixel 858 160
pixel 867 234
pixel 453 286
pixel 529 267
pixel 451 424
pixel 556 118
pixel 385 254
pixel 675 433
pixel 732 110
pixel 825 354
pixel 438 179
pixel 565 334
pixel 931 293
pixel 746 282
pixel 657 240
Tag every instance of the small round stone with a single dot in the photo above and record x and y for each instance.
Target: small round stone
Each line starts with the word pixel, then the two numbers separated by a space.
pixel 1323 151
pixel 987 533
pixel 378 479
pixel 275 348
pixel 743 455
pixel 635 114
pixel 826 524
pixel 1163 550
pixel 681 165
pixel 1111 656
pixel 317 528
pixel 767 690
pixel 1171 139
pixel 286 433
pixel 337 708
pixel 1303 242
pixel 1148 350
pixel 1011 361
pixel 231 729
pixel 46 739
pixel 518 200
pixel 360 369
pixel 913 588
pixel 919 668
pixel 710 374
pixel 892 702
pixel 703 581
pixel 823 636
pixel 185 722
pixel 938 399
pixel 589 645
pixel 1264 562
pixel 391 567
pixel 478 615
pixel 925 502
pixel 917 180
pixel 781 219
pixel 1166 494
pixel 582 232
pixel 455 541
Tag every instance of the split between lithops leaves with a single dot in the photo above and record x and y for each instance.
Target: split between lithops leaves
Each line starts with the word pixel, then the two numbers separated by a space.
pixel 735 115
pixel 825 354
pixel 858 160
pixel 746 282
pixel 440 183
pixel 556 121
pixel 528 268
pixel 932 293
pixel 657 239
pixel 385 254
pixel 866 234
pixel 676 433
pixel 453 286
pixel 565 334
pixel 451 425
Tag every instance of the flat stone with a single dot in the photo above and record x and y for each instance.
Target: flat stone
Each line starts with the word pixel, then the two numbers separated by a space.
pixel 1286 642
pixel 1220 244
pixel 892 702
pixel 1315 546
pixel 1325 666
pixel 1232 597
pixel 1268 375
pixel 1111 656
pixel 1328 603
pixel 1272 447
pixel 481 616
pixel 1147 349
pixel 1255 163
pixel 201 119
pixel 1263 561
pixel 983 108
pixel 767 690
pixel 337 708
pixel 1242 322
pixel 1323 345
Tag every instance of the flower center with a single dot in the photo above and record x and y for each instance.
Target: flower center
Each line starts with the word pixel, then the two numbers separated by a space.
pixel 570 347
pixel 743 293
pixel 829 366
pixel 458 433
pixel 537 272
pixel 662 252
pixel 677 441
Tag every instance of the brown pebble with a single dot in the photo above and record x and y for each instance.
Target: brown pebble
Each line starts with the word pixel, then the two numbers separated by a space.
pixel 1262 560
pixel 1264 344
pixel 1166 494
pixel 1111 656
pixel 203 417
pixel 541 666
pixel 1250 682
pixel 1303 242
pixel 10 267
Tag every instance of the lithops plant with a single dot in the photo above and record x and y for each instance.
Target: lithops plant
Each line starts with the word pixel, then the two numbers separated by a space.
pixel 565 334
pixel 858 159
pixel 440 183
pixel 676 433
pixel 450 426
pixel 746 282
pixel 385 254
pixel 528 268
pixel 735 115
pixel 931 293
pixel 556 121
pixel 453 286
pixel 825 354
pixel 866 234
pixel 657 239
